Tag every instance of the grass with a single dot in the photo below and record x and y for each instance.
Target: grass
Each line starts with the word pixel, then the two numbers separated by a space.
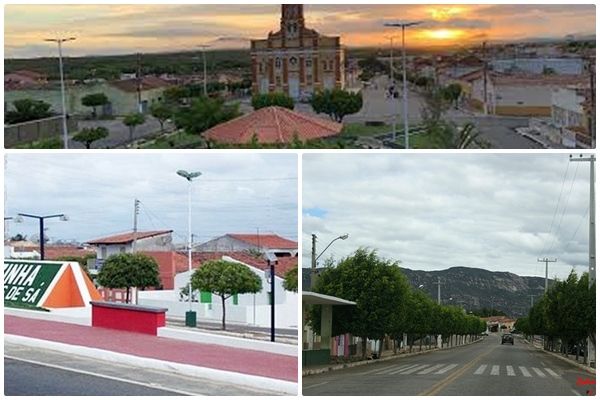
pixel 12 304
pixel 358 129
pixel 49 143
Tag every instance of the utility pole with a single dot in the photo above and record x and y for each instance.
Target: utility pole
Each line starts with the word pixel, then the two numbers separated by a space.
pixel 546 260
pixel 136 211
pixel 313 264
pixel 531 296
pixel 204 47
pixel 393 86
pixel 591 69
pixel 139 82
pixel 591 356
pixel 485 79
pixel 439 283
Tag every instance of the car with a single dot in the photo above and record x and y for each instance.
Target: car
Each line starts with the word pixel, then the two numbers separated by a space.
pixel 484 334
pixel 507 338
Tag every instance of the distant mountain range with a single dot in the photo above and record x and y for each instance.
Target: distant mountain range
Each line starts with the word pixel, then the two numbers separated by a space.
pixel 474 288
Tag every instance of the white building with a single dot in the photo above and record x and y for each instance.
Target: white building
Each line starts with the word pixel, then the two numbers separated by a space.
pixel 232 242
pixel 560 66
pixel 124 242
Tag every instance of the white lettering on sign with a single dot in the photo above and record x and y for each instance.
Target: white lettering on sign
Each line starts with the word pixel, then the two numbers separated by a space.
pixel 31 277
pixel 13 293
pixel 31 295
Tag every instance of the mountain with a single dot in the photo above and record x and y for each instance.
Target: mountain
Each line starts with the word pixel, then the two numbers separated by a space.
pixel 474 288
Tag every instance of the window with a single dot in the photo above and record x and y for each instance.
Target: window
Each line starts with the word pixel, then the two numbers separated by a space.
pixel 309 63
pixel 260 67
pixel 103 253
pixel 293 61
pixel 325 65
pixel 278 63
pixel 331 65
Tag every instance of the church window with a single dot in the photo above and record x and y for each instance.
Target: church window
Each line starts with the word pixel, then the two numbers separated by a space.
pixel 278 63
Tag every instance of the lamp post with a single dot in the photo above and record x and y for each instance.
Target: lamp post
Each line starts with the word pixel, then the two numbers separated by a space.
pixel 404 25
pixel 272 262
pixel 393 87
pixel 315 258
pixel 59 42
pixel 204 47
pixel 190 316
pixel 41 219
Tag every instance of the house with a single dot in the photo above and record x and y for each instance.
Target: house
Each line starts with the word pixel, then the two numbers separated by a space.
pixel 125 242
pixel 296 60
pixel 539 65
pixel 236 242
pixel 519 95
pixel 272 125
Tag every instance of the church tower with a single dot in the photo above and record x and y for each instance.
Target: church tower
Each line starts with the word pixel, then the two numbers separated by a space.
pixel 292 20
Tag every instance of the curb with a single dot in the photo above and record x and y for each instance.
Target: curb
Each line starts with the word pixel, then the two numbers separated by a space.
pixel 256 382
pixel 49 316
pixel 569 361
pixel 366 362
pixel 229 341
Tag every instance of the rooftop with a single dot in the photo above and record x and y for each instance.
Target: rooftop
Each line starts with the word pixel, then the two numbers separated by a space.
pixel 128 237
pixel 265 241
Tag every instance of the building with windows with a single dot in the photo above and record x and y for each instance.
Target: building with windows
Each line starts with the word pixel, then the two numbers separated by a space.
pixel 296 60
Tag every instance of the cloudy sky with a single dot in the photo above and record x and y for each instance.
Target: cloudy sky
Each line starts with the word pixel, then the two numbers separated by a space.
pixel 127 28
pixel 433 212
pixel 236 193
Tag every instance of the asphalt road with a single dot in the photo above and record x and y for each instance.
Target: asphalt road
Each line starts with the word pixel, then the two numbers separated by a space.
pixel 486 368
pixel 36 372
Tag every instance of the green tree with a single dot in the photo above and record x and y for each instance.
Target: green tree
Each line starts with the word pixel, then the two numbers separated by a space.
pixel 94 100
pixel 162 112
pixel 272 99
pixel 81 260
pixel 203 114
pixel 127 270
pixel 132 121
pixel 452 93
pixel 87 136
pixel 378 287
pixel 336 103
pixel 225 279
pixel 27 110
pixel 290 282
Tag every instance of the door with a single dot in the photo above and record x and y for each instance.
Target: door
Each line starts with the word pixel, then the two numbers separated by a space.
pixel 294 89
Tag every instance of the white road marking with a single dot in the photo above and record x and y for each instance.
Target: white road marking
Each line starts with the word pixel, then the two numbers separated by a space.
pixel 396 371
pixel 537 371
pixel 510 371
pixel 410 371
pixel 481 369
pixel 446 369
pixel 378 369
pixel 78 371
pixel 525 372
pixel 315 385
pixel 495 370
pixel 576 392
pixel 554 374
pixel 430 369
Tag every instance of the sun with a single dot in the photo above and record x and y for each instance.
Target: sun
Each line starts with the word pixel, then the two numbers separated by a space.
pixel 444 34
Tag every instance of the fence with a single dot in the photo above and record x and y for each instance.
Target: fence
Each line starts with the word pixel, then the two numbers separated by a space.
pixel 31 131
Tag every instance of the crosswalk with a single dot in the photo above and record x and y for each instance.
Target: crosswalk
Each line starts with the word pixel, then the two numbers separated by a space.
pixel 492 370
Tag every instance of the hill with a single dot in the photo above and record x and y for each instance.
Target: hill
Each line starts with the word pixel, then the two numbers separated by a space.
pixel 474 288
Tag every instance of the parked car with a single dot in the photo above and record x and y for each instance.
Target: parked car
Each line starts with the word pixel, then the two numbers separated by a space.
pixel 484 334
pixel 507 338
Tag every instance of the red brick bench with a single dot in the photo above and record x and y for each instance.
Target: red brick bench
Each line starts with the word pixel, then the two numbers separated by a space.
pixel 127 317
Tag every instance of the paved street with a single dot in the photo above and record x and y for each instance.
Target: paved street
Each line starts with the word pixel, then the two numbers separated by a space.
pixel 118 132
pixel 29 371
pixel 486 368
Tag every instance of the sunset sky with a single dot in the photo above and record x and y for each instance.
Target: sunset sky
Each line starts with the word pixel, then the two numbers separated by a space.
pixel 120 28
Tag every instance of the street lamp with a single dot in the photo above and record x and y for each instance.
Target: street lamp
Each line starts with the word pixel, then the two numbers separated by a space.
pixel 392 86
pixel 313 274
pixel 41 219
pixel 190 316
pixel 204 47
pixel 272 262
pixel 59 42
pixel 404 25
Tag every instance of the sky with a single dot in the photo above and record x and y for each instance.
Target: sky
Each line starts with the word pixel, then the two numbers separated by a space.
pixel 129 28
pixel 499 212
pixel 236 194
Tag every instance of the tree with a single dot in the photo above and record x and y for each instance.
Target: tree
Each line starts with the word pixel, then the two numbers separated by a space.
pixel 94 100
pixel 127 270
pixel 378 287
pixel 290 281
pixel 82 261
pixel 203 114
pixel 87 136
pixel 132 121
pixel 272 99
pixel 27 110
pixel 162 112
pixel 336 103
pixel 452 93
pixel 225 279
pixel 18 237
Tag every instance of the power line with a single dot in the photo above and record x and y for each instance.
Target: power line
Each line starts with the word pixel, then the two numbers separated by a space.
pixel 557 205
pixel 564 210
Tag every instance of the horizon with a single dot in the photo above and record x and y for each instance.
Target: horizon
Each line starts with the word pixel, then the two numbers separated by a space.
pixel 119 29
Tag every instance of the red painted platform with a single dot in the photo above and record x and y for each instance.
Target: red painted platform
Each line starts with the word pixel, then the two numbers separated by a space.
pixel 224 358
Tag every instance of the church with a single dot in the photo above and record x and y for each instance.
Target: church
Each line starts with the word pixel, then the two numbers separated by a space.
pixel 296 60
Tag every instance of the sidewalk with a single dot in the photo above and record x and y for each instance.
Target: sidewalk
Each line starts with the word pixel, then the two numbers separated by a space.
pixel 222 358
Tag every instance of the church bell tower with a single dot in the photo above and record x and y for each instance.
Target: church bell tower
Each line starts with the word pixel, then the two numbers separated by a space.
pixel 292 20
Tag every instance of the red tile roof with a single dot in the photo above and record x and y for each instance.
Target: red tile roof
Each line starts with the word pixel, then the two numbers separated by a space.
pixel 266 241
pixel 284 264
pixel 148 83
pixel 273 125
pixel 127 237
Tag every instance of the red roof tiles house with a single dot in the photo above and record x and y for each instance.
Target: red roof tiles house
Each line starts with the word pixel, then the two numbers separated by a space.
pixel 284 264
pixel 273 125
pixel 127 237
pixel 265 241
pixel 170 263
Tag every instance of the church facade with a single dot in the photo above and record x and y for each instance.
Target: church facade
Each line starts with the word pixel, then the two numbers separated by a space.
pixel 296 60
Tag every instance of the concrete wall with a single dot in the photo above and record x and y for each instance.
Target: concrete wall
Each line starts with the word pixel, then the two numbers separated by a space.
pixel 155 243
pixel 27 132
pixel 224 244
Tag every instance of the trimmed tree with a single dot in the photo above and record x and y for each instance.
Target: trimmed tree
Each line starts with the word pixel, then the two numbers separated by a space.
pixel 452 93
pixel 272 99
pixel 336 103
pixel 87 136
pixel 162 112
pixel 132 121
pixel 225 279
pixel 27 110
pixel 94 100
pixel 126 270
pixel 290 281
